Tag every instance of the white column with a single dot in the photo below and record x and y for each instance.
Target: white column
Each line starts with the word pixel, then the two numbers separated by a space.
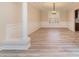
pixel 24 37
pixel 24 21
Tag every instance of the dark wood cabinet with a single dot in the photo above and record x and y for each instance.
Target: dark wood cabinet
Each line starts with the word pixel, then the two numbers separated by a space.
pixel 76 14
pixel 77 20
pixel 77 26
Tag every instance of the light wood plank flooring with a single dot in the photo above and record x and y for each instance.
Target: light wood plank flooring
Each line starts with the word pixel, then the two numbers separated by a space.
pixel 50 43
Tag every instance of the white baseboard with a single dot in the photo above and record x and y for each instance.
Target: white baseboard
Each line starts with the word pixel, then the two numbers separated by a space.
pixel 61 24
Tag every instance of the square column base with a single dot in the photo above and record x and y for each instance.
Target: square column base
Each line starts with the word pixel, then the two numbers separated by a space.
pixel 18 46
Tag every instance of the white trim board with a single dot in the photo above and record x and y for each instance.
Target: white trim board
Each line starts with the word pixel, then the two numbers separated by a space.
pixel 61 24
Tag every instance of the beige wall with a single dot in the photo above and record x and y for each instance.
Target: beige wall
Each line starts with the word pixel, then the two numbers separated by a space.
pixel 71 21
pixel 63 15
pixel 9 13
pixel 44 15
pixel 33 19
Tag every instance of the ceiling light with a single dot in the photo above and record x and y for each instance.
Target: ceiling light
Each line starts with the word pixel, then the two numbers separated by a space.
pixel 53 11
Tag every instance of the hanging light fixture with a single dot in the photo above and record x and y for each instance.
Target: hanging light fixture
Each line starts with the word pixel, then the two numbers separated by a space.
pixel 54 10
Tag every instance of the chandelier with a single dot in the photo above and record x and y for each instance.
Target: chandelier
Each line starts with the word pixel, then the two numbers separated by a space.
pixel 54 10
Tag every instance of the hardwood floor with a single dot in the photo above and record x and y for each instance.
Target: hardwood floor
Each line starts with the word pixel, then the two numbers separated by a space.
pixel 50 43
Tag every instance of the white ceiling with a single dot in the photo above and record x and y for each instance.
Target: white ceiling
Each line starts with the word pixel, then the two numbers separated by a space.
pixel 49 5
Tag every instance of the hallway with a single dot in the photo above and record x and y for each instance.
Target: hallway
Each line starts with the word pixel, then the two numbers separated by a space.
pixel 49 43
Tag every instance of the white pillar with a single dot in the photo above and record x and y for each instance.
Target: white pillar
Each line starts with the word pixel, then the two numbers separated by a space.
pixel 24 37
pixel 24 21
